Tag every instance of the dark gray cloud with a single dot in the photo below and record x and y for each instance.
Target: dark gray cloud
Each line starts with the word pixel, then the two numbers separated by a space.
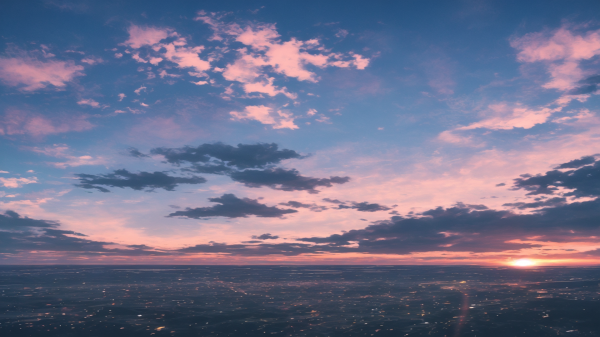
pixel 585 181
pixel 466 229
pixel 552 202
pixel 286 249
pixel 285 180
pixel 577 163
pixel 22 234
pixel 364 207
pixel 333 201
pixel 137 181
pixel 132 151
pixel 296 204
pixel 249 164
pixel 588 86
pixel 359 206
pixel 243 156
pixel 230 206
pixel 266 236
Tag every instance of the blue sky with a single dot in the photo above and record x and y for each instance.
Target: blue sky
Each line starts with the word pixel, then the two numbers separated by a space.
pixel 184 132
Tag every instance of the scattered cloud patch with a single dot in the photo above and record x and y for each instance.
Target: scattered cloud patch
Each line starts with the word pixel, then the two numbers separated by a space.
pixel 30 74
pixel 230 206
pixel 265 115
pixel 137 181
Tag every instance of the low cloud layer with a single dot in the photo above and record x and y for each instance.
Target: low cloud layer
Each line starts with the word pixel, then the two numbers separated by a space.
pixel 22 234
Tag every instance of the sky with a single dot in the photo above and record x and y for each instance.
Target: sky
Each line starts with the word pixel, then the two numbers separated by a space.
pixel 281 132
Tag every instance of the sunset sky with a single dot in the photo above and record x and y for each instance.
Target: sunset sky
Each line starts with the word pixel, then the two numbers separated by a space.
pixel 300 132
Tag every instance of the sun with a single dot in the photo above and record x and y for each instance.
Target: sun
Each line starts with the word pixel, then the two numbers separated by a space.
pixel 523 263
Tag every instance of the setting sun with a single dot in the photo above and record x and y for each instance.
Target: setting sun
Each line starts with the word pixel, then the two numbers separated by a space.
pixel 523 263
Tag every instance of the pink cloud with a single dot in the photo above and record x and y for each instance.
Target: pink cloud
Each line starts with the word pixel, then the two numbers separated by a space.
pixel 140 36
pixel 17 182
pixel 62 151
pixel 563 50
pixel 89 102
pixel 34 74
pixel 278 119
pixel 267 53
pixel 504 117
pixel 185 57
pixel 17 122
pixel 267 87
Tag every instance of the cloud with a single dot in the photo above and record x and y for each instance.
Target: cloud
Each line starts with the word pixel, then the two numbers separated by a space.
pixel 18 122
pixel 285 249
pixel 265 52
pixel 140 89
pixel 30 74
pixel 562 50
pixel 177 51
pixel 140 36
pixel 506 117
pixel 132 151
pixel 137 181
pixel 285 180
pixel 241 156
pixel 63 151
pixel 17 182
pixel 276 118
pixel 583 182
pixel 576 163
pixel 266 236
pixel 21 234
pixel 121 96
pixel 247 164
pixel 364 207
pixel 89 102
pixel 553 202
pixel 230 206
pixel 297 204
pixel 92 60
pixel 588 86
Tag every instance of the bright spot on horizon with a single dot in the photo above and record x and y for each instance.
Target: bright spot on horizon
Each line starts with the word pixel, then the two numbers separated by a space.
pixel 523 263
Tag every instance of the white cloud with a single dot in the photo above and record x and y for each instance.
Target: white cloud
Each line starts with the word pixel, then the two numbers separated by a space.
pixel 121 96
pixel 311 112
